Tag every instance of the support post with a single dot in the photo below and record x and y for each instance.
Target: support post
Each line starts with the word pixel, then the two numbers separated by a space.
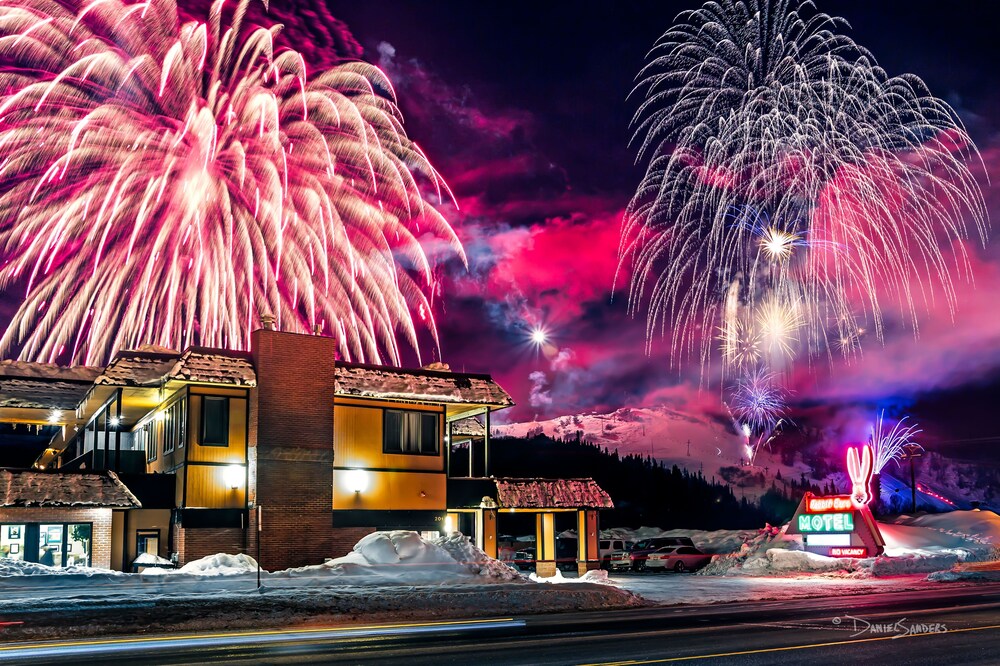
pixel 486 445
pixel 545 545
pixel 118 431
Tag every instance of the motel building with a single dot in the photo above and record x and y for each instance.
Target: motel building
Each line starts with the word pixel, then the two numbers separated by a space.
pixel 187 454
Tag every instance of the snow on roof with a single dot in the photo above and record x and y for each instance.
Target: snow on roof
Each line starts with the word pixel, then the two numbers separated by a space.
pixel 214 366
pixel 41 393
pixel 48 371
pixel 25 488
pixel 385 383
pixel 551 494
pixel 146 367
pixel 468 427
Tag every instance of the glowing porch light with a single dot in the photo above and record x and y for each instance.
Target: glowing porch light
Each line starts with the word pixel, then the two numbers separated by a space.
pixel 356 480
pixel 55 416
pixel 233 476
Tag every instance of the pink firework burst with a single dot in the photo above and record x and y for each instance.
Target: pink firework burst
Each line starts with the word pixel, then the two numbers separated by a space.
pixel 166 182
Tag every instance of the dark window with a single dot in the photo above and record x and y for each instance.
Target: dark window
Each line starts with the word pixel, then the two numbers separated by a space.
pixel 410 432
pixel 144 435
pixel 214 421
pixel 174 417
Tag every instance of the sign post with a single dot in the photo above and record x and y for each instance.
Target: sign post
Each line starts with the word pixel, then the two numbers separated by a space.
pixel 260 526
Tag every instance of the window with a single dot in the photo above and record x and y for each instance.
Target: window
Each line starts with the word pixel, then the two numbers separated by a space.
pixel 144 438
pixel 214 421
pixel 55 545
pixel 174 418
pixel 147 541
pixel 410 432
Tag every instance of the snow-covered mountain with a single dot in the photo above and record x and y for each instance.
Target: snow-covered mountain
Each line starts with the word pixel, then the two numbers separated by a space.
pixel 700 442
pixel 692 441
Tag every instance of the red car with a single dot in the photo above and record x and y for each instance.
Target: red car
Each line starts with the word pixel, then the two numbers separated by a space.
pixel 678 558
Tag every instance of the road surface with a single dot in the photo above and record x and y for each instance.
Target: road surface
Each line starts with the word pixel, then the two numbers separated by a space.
pixel 950 625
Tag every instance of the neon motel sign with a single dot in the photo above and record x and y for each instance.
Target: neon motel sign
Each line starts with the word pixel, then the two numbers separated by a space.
pixel 841 525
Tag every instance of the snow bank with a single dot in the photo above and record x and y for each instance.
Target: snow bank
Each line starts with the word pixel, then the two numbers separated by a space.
pixel 714 542
pixel 220 565
pixel 12 568
pixel 960 576
pixel 783 561
pixel 598 576
pixel 405 558
pixel 148 559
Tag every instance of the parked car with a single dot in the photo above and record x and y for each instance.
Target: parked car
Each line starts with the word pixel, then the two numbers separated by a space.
pixel 524 560
pixel 608 547
pixel 641 551
pixel 677 558
pixel 620 560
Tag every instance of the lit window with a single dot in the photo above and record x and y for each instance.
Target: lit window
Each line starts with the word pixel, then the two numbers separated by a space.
pixel 410 432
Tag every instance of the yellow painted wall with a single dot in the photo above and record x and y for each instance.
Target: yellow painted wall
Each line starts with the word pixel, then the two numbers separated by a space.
pixel 208 488
pixel 391 491
pixel 235 453
pixel 357 439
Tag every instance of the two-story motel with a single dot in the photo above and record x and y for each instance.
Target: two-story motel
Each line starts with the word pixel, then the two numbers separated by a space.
pixel 186 454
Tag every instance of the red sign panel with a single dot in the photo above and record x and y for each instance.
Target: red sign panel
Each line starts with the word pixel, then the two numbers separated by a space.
pixel 830 503
pixel 853 551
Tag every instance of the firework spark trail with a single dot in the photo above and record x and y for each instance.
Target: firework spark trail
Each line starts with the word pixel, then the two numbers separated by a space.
pixel 758 406
pixel 165 182
pixel 855 184
pixel 888 443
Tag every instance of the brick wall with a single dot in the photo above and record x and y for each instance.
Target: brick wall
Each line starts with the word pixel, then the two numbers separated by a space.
pixel 344 539
pixel 100 545
pixel 193 543
pixel 291 430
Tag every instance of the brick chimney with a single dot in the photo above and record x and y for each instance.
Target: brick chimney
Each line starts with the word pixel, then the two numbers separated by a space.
pixel 291 432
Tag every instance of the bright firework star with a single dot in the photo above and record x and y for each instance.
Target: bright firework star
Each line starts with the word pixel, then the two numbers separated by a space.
pixel 167 182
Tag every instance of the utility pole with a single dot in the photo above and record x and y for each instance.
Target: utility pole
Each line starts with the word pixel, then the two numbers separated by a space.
pixel 689 448
pixel 910 452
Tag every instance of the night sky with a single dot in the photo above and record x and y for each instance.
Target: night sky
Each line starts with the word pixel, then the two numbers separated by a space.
pixel 523 107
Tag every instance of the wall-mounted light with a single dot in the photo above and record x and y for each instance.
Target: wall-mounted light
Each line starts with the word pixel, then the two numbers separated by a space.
pixel 55 416
pixel 233 476
pixel 356 480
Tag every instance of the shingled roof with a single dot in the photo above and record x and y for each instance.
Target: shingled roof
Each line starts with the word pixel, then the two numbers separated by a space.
pixel 25 488
pixel 385 383
pixel 197 364
pixel 41 393
pixel 551 494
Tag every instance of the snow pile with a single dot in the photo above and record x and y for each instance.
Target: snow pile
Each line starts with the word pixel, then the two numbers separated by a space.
pixel 755 547
pixel 784 561
pixel 148 559
pixel 219 564
pixel 11 568
pixel 405 558
pixel 912 563
pixel 598 576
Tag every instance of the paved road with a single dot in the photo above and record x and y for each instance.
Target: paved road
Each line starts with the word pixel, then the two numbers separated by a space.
pixel 951 625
